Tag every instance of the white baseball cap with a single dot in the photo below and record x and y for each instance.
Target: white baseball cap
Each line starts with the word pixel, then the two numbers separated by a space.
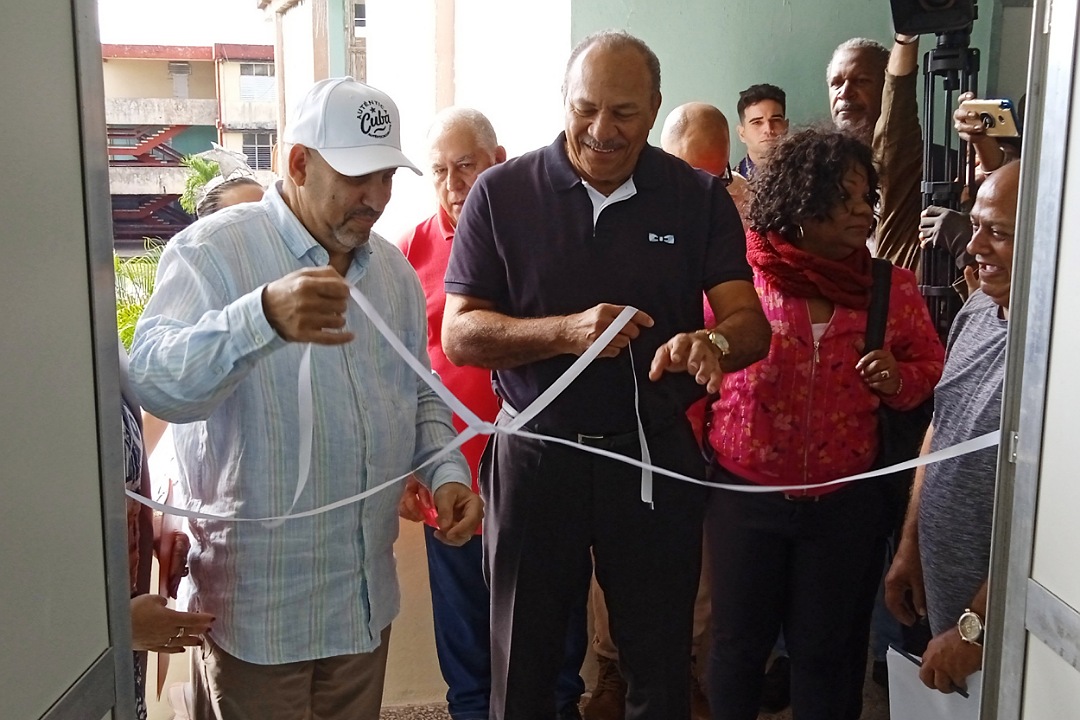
pixel 355 127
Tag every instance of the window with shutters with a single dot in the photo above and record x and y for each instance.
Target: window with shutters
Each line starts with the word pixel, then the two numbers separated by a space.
pixel 257 82
pixel 259 148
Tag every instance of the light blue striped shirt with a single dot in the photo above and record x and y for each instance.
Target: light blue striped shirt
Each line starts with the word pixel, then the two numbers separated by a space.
pixel 204 354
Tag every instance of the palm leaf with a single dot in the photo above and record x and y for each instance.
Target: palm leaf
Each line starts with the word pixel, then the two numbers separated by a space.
pixel 134 284
pixel 201 172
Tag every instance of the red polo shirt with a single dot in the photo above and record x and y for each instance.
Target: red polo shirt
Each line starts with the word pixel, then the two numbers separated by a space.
pixel 427 248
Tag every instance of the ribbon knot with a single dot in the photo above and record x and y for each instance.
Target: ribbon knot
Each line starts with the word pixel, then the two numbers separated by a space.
pixel 486 428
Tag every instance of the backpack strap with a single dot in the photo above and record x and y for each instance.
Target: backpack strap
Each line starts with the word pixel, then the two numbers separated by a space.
pixel 878 313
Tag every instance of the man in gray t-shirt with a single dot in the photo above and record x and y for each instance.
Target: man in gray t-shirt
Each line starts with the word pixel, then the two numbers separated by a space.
pixel 943 558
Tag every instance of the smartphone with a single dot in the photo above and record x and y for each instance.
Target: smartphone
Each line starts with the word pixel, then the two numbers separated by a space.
pixel 998 116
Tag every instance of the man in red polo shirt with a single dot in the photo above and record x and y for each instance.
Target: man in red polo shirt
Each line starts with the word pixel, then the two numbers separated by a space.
pixel 463 145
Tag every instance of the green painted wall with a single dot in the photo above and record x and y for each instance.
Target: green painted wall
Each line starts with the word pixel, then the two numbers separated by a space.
pixel 709 50
pixel 195 139
pixel 339 21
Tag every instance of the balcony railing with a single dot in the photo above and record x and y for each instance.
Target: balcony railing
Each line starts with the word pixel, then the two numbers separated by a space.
pixel 143 145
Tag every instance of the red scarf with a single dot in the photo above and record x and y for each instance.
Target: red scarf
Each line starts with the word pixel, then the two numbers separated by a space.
pixel 801 274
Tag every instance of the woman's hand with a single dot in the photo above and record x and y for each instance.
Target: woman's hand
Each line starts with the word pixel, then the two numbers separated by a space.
pixel 416 504
pixel 880 371
pixel 161 629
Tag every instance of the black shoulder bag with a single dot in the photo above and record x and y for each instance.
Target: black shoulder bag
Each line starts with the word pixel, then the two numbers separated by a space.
pixel 900 432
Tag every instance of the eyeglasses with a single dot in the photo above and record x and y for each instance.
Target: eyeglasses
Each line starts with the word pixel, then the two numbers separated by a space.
pixel 727 177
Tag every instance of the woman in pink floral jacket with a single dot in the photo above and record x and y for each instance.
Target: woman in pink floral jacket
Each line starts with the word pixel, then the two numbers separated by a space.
pixel 808 561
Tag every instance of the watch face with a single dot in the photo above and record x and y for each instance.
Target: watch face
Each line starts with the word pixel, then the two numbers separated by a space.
pixel 720 342
pixel 970 627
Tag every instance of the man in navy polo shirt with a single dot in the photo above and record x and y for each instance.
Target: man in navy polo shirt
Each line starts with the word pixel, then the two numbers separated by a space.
pixel 550 248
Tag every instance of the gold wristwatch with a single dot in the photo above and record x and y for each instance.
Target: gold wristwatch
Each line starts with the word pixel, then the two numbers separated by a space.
pixel 719 341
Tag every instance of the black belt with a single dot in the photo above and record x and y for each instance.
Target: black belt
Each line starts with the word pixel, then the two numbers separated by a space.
pixel 792 497
pixel 609 441
pixel 604 442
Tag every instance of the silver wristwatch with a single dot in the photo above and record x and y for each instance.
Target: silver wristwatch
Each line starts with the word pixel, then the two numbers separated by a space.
pixel 970 627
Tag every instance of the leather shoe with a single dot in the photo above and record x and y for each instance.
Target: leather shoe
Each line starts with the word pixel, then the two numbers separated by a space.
pixel 608 701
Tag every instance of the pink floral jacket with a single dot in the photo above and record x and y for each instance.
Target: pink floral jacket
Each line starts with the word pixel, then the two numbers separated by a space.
pixel 803 415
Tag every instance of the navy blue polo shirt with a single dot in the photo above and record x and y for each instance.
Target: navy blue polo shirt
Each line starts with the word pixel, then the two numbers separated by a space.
pixel 526 242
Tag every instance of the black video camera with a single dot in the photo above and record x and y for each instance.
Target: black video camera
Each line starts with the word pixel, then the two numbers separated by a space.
pixel 930 17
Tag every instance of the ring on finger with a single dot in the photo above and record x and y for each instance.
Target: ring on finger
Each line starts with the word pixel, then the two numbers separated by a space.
pixel 180 634
pixel 885 375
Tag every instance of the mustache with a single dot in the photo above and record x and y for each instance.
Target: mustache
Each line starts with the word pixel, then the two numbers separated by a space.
pixel 594 144
pixel 364 213
pixel 846 106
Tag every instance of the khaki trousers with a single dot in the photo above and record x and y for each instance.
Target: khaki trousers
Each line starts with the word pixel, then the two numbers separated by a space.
pixel 346 687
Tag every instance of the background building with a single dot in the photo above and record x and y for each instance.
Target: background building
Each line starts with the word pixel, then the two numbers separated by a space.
pixel 163 102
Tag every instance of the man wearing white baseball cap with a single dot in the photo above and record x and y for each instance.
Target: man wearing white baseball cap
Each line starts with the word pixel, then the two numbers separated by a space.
pixel 303 608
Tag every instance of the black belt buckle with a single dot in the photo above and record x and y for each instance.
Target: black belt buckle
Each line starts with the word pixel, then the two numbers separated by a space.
pixel 791 497
pixel 607 442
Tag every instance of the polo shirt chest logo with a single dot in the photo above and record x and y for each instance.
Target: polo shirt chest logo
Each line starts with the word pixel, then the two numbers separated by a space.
pixel 666 239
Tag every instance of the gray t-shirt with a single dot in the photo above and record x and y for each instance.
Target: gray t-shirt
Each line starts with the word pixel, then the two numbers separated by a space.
pixel 957 503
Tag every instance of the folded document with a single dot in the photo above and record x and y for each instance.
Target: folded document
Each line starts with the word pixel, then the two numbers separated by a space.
pixel 909 699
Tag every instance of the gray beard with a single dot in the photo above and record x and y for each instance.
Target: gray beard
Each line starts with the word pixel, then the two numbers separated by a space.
pixel 863 132
pixel 350 240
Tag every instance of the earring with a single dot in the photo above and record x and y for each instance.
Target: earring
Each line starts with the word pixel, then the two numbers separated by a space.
pixel 799 232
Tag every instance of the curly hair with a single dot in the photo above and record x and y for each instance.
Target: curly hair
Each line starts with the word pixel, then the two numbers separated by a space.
pixel 803 179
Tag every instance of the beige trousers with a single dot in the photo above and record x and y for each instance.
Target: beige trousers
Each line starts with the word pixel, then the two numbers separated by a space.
pixel 346 687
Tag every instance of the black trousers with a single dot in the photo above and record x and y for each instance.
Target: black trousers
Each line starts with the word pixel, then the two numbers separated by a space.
pixel 809 568
pixel 548 506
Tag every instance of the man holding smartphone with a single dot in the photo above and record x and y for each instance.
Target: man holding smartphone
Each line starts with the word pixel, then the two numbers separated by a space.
pixel 951 229
pixel 992 149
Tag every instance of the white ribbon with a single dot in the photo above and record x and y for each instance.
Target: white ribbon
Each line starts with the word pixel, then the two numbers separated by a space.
pixel 545 398
pixel 646 457
pixel 463 412
pixel 306 410
pixel 476 426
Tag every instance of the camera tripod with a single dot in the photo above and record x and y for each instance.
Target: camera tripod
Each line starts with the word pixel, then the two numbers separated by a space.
pixel 946 169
